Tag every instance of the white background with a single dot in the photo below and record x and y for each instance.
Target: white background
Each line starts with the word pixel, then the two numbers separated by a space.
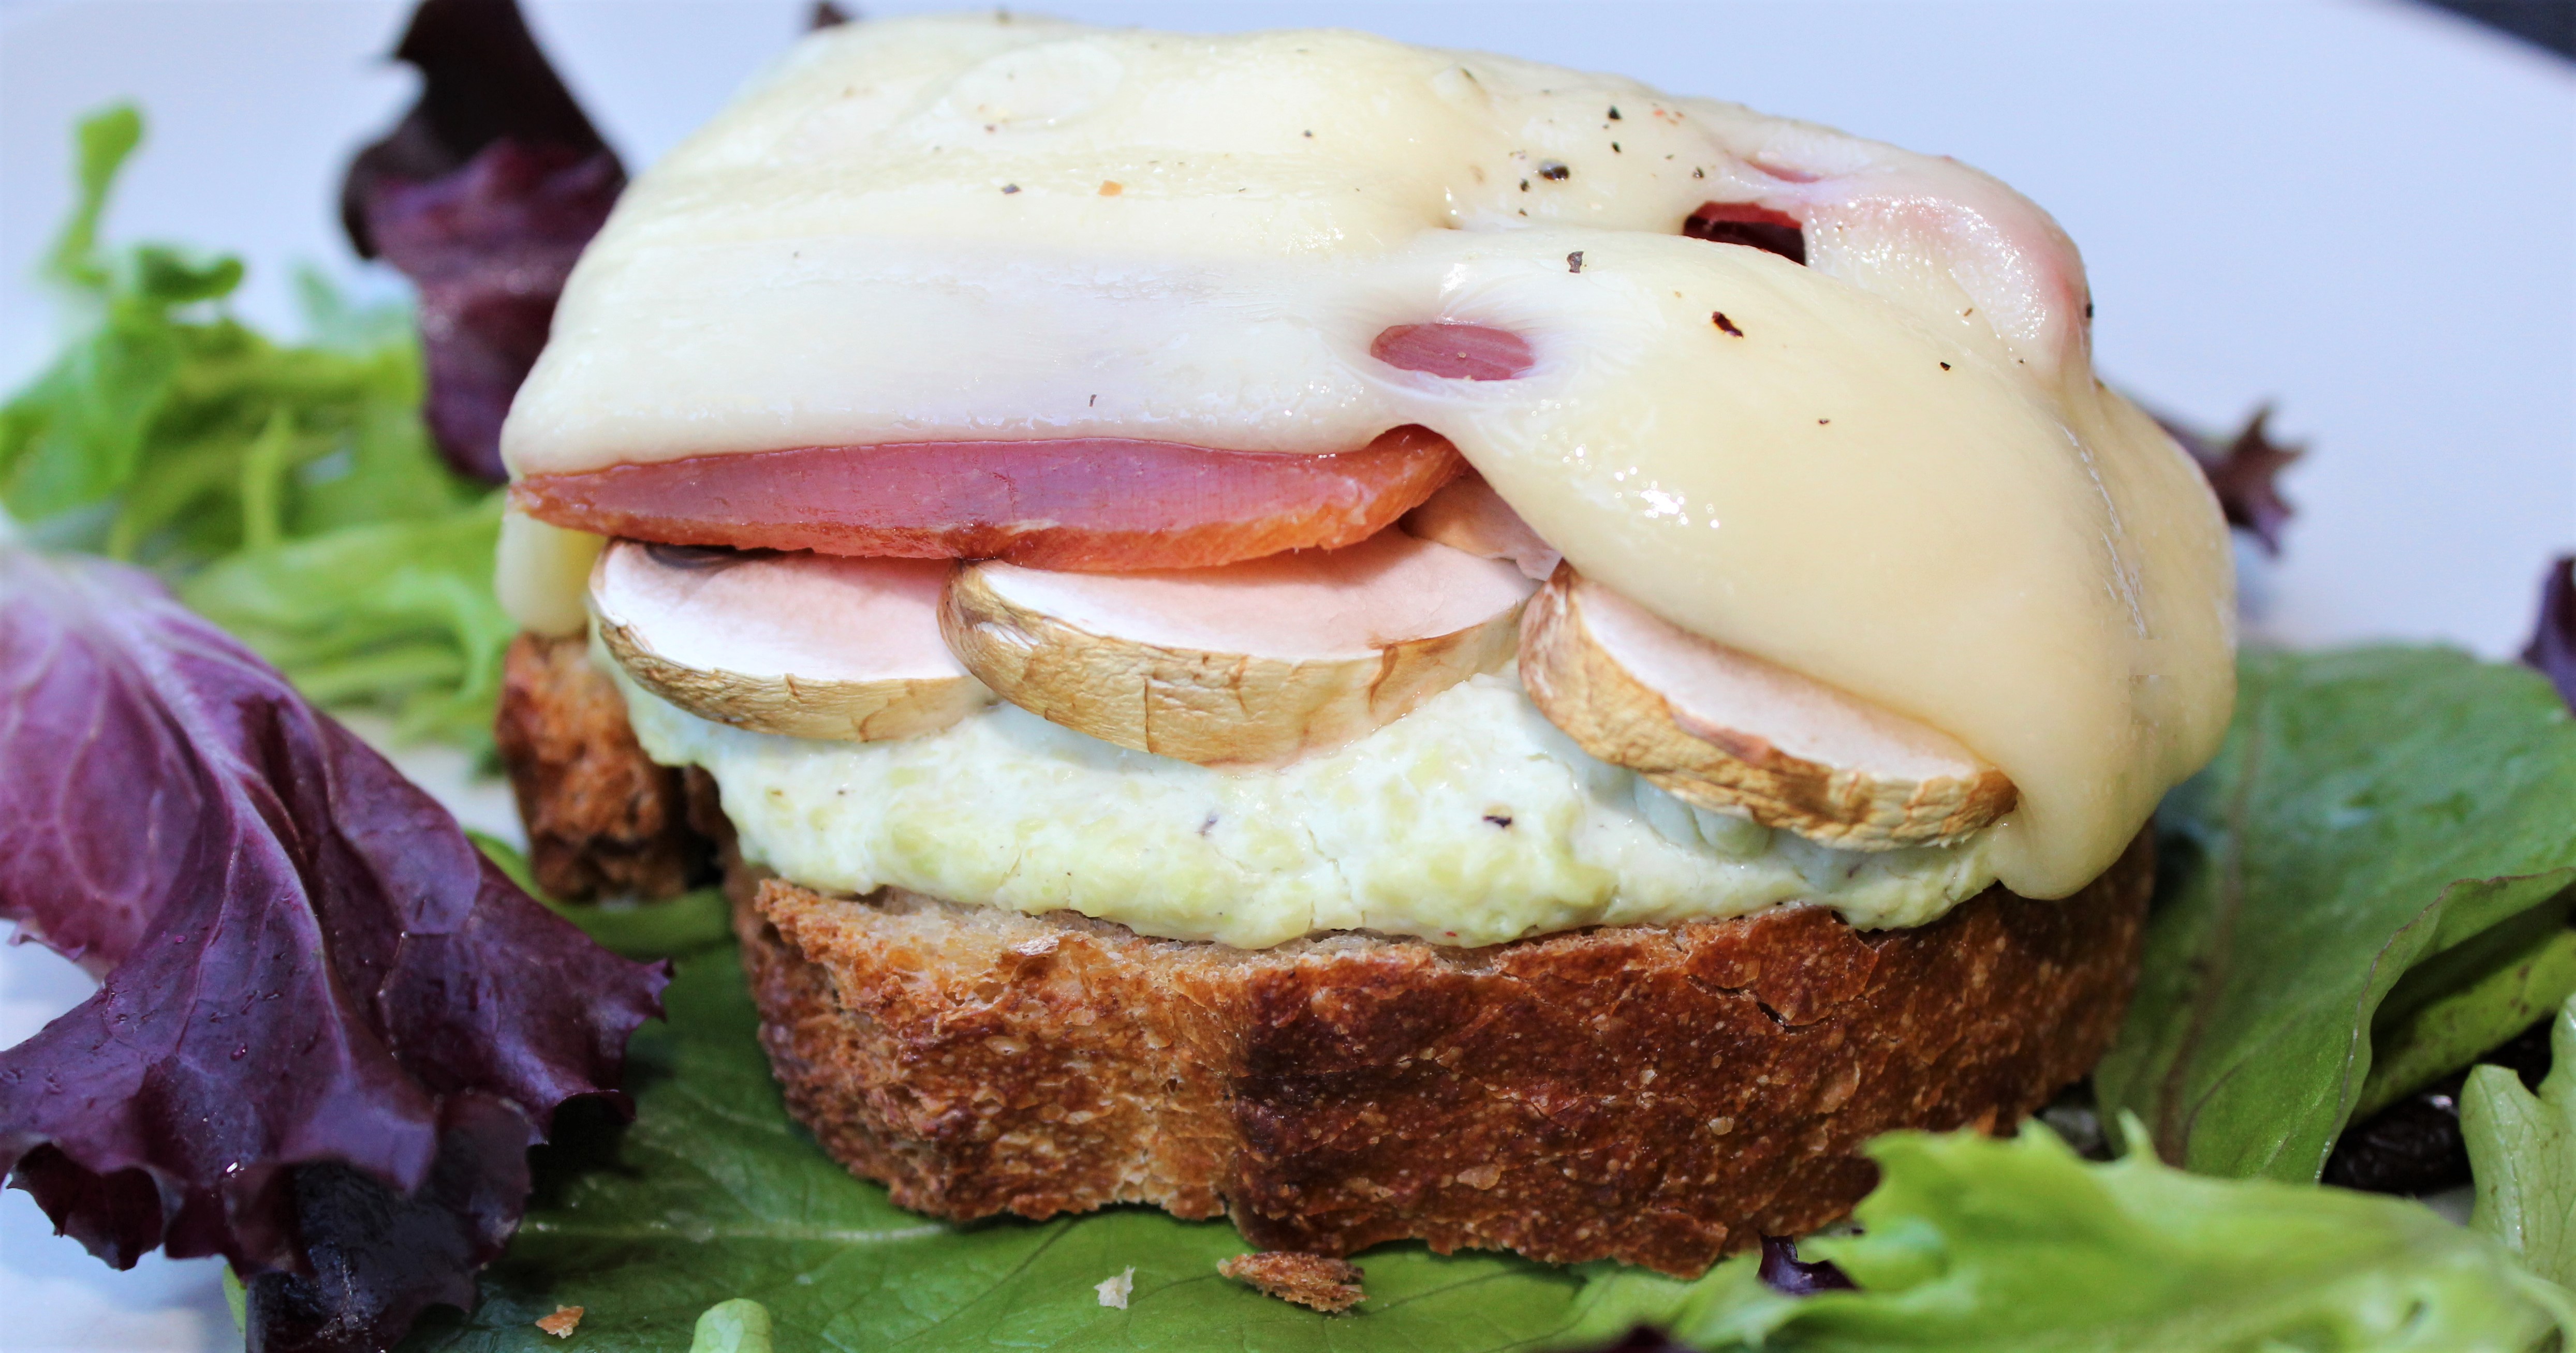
pixel 2362 212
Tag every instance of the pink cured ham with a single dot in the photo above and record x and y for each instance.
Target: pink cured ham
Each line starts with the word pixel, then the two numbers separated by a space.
pixel 1874 215
pixel 1093 504
pixel 1468 515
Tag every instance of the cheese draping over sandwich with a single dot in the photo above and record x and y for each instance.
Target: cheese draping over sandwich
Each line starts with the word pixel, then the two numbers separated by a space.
pixel 1890 469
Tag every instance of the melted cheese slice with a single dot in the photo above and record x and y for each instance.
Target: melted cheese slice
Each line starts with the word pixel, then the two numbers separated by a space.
pixel 1892 470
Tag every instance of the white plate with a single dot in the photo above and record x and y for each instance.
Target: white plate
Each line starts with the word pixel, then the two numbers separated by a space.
pixel 2364 213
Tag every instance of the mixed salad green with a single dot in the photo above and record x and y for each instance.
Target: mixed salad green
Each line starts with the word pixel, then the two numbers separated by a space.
pixel 288 489
pixel 2366 891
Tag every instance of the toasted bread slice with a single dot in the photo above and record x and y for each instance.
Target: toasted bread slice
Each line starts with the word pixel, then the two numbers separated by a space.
pixel 1658 1095
pixel 602 819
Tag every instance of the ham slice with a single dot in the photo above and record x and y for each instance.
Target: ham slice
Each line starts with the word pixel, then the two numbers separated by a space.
pixel 1092 503
pixel 1468 515
pixel 1952 244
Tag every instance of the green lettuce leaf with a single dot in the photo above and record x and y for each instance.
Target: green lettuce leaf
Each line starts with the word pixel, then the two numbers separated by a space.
pixel 2522 1150
pixel 100 145
pixel 713 1194
pixel 185 432
pixel 397 614
pixel 1982 1246
pixel 737 1326
pixel 2372 809
pixel 290 490
pixel 676 927
pixel 2450 1009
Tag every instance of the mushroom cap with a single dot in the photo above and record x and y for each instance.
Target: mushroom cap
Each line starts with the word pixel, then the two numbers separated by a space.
pixel 803 645
pixel 1729 732
pixel 1249 664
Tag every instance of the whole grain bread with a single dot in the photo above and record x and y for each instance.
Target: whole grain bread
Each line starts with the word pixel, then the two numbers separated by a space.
pixel 1661 1095
pixel 602 819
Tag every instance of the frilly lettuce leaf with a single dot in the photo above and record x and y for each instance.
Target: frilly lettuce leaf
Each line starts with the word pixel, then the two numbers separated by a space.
pixel 489 247
pixel 483 79
pixel 1998 1246
pixel 170 432
pixel 291 488
pixel 327 1032
pixel 2243 472
pixel 396 614
pixel 2373 809
pixel 483 195
pixel 2468 1000
pixel 2552 649
pixel 2522 1150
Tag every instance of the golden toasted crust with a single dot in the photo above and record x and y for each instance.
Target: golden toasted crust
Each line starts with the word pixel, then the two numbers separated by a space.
pixel 602 819
pixel 1306 1279
pixel 1658 1095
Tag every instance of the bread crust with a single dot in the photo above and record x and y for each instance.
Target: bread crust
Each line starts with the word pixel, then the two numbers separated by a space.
pixel 602 818
pixel 1661 1095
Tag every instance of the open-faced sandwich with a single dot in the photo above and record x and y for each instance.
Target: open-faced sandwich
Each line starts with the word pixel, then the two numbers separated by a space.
pixel 1389 642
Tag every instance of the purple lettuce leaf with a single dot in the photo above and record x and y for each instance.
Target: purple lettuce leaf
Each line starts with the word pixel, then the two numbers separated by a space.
pixel 483 79
pixel 2553 635
pixel 1785 1273
pixel 328 1028
pixel 489 247
pixel 2244 473
pixel 483 195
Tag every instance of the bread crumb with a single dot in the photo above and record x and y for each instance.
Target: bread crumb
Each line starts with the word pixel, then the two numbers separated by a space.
pixel 1114 1291
pixel 1306 1279
pixel 562 1323
pixel 1111 188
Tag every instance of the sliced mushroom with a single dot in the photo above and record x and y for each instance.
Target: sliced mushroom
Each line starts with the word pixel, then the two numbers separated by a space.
pixel 1729 732
pixel 1468 515
pixel 805 645
pixel 1250 664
